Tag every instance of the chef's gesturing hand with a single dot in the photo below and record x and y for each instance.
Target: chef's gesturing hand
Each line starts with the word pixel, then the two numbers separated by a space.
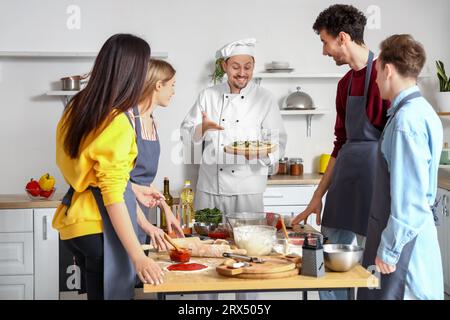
pixel 148 270
pixel 208 124
pixel 383 267
pixel 314 206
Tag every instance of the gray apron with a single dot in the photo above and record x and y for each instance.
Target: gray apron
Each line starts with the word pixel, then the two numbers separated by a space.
pixel 349 196
pixel 392 285
pixel 146 165
pixel 119 275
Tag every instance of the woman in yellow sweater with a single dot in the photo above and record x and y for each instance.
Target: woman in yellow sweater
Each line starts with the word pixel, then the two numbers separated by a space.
pixel 96 150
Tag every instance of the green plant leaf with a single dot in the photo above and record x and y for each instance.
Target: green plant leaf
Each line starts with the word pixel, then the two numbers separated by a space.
pixel 444 81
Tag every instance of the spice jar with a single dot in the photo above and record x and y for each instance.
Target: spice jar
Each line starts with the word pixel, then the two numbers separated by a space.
pixel 296 166
pixel 283 166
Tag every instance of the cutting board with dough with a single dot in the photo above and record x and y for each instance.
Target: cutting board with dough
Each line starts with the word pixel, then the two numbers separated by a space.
pixel 272 268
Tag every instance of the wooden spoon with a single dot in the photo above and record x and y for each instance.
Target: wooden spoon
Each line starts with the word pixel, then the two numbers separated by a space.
pixel 169 239
pixel 284 228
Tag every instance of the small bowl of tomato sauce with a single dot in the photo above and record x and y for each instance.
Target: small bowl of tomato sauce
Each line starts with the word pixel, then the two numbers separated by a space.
pixel 184 255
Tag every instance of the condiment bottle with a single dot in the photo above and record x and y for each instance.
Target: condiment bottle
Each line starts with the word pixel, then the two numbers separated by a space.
pixel 169 200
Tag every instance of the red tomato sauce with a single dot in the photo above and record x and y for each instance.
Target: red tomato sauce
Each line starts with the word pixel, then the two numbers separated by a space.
pixel 186 267
pixel 180 256
pixel 222 234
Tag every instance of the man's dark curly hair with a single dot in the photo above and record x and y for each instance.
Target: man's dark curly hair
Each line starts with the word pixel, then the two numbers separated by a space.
pixel 341 17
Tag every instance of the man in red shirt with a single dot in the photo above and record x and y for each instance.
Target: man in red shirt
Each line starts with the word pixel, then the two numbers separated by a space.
pixel 361 117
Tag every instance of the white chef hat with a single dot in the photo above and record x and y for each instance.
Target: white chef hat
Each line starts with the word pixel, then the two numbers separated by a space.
pixel 244 46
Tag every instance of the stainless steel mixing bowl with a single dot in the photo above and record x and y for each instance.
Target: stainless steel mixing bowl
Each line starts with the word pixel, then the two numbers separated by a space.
pixel 342 257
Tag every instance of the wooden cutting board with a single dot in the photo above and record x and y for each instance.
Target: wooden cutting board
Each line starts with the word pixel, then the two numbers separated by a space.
pixel 272 268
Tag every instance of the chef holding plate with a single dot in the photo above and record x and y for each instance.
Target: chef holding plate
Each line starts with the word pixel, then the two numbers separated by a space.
pixel 241 107
pixel 235 110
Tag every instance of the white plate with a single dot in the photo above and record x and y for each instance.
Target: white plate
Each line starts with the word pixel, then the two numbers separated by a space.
pixel 273 70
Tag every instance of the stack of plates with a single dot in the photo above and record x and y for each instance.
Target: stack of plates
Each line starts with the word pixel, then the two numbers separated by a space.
pixel 278 66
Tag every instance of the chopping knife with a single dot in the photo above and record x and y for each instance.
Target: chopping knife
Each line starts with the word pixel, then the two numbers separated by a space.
pixel 243 257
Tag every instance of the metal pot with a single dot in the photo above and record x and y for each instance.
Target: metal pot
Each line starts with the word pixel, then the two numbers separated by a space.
pixel 298 100
pixel 73 83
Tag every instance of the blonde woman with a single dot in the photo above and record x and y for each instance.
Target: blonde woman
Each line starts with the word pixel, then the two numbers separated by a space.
pixel 158 90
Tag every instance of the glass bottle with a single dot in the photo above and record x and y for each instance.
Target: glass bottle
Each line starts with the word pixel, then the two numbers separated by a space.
pixel 187 204
pixel 296 166
pixel 169 200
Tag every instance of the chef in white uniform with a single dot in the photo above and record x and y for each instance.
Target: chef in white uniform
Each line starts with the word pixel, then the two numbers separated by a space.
pixel 237 109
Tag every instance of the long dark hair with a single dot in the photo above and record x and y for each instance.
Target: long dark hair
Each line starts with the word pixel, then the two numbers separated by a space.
pixel 115 83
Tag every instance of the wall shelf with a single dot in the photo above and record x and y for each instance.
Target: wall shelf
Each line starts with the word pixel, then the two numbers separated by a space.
pixel 304 112
pixel 276 75
pixel 281 75
pixel 443 113
pixel 64 94
pixel 63 54
pixel 308 113
pixel 61 93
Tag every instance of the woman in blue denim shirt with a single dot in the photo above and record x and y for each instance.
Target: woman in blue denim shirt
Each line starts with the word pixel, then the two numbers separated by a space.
pixel 402 238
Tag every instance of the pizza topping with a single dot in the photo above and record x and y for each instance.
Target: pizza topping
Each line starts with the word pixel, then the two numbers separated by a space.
pixel 186 267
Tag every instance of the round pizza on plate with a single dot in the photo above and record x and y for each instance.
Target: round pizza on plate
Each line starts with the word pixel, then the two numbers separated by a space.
pixel 248 147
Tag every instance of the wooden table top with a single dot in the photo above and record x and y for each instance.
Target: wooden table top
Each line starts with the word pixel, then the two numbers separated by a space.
pixel 209 280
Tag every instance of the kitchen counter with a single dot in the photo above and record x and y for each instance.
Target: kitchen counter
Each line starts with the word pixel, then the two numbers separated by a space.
pixel 209 280
pixel 444 179
pixel 22 201
pixel 305 179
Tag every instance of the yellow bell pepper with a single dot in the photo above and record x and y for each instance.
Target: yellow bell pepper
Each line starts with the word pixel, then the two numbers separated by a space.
pixel 47 182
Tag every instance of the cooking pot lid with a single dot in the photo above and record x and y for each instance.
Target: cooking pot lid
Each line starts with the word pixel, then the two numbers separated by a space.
pixel 299 100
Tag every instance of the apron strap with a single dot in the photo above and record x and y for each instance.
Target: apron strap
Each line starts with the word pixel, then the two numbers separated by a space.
pixel 410 96
pixel 67 199
pixel 368 73
pixel 434 209
pixel 98 197
pixel 137 122
pixel 367 78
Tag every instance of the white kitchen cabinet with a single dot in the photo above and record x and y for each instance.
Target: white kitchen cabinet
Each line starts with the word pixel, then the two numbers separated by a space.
pixel 29 258
pixel 16 287
pixel 46 258
pixel 16 253
pixel 289 200
pixel 444 234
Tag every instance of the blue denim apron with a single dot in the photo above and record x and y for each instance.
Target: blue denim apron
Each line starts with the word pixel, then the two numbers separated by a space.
pixel 392 285
pixel 349 196
pixel 146 165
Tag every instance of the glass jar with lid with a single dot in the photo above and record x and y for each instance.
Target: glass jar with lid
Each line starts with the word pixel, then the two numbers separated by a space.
pixel 296 166
pixel 283 166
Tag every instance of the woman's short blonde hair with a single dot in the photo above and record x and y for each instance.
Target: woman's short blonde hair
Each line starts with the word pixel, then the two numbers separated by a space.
pixel 158 70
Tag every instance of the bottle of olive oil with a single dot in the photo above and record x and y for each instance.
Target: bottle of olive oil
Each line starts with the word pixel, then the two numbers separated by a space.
pixel 169 201
pixel 187 204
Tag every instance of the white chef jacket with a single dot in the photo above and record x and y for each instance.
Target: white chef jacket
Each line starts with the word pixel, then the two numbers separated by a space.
pixel 243 116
